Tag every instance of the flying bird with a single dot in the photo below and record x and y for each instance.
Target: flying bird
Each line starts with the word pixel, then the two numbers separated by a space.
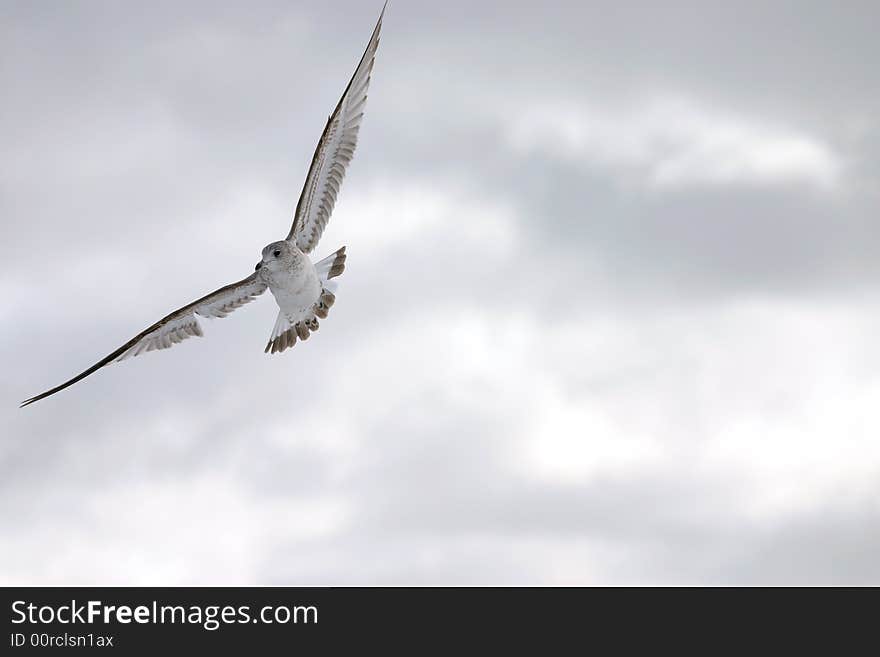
pixel 303 290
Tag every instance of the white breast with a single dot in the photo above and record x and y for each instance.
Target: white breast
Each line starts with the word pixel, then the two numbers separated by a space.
pixel 296 290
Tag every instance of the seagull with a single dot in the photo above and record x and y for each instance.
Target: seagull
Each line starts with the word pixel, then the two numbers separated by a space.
pixel 303 290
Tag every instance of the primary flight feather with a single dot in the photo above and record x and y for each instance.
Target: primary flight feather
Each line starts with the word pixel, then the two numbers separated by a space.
pixel 302 289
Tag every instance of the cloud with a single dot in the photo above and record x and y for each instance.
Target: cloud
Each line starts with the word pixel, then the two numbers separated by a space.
pixel 580 338
pixel 205 523
pixel 580 450
pixel 671 143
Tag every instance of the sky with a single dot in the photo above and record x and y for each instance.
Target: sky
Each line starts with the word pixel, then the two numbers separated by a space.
pixel 609 315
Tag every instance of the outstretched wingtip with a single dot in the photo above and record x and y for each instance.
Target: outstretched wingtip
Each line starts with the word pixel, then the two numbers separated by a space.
pixel 42 395
pixel 381 16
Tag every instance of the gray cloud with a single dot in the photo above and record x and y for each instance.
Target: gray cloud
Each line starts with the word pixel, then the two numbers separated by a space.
pixel 544 366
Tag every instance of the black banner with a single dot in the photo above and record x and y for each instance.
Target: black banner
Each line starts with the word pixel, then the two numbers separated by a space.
pixel 149 620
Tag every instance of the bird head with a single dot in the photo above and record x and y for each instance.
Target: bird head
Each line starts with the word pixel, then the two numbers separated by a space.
pixel 275 257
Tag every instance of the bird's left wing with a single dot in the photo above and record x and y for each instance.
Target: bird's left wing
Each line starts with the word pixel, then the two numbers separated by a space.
pixel 333 153
pixel 175 327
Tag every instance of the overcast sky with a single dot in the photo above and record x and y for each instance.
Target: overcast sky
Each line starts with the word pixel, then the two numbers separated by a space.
pixel 610 313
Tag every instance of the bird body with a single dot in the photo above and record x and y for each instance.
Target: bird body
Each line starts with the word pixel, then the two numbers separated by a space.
pixel 296 292
pixel 302 289
pixel 291 278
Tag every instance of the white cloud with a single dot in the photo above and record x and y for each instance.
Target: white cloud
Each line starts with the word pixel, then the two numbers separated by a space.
pixel 770 401
pixel 390 214
pixel 574 440
pixel 207 528
pixel 770 397
pixel 672 143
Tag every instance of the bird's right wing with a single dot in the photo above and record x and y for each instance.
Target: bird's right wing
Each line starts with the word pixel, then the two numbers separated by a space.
pixel 175 327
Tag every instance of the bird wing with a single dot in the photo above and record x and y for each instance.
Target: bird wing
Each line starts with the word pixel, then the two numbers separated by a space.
pixel 175 327
pixel 333 154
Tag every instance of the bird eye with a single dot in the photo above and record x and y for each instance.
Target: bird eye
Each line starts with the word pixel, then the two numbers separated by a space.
pixel 276 253
pixel 259 264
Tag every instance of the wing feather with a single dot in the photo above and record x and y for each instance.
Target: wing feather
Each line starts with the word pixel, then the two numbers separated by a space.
pixel 175 327
pixel 333 154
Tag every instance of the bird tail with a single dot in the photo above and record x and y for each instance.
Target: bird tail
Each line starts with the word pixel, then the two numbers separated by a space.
pixel 285 333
